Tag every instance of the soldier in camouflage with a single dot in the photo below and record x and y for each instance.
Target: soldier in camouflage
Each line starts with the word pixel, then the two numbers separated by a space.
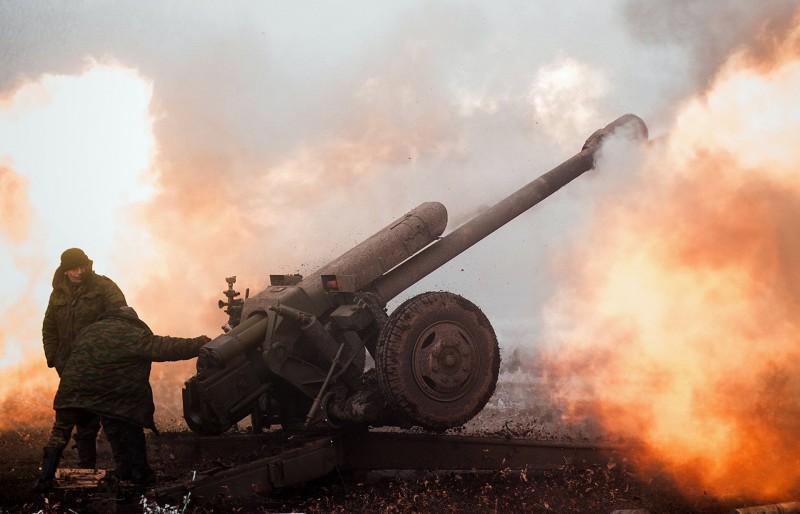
pixel 79 296
pixel 108 374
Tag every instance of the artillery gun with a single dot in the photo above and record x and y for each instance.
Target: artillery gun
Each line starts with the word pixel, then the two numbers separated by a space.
pixel 297 357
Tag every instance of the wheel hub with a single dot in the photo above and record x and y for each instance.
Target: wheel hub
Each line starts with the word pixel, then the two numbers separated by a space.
pixel 444 360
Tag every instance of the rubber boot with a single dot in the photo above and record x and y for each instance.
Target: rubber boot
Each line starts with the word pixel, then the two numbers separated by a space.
pixel 50 461
pixel 122 458
pixel 87 452
pixel 141 473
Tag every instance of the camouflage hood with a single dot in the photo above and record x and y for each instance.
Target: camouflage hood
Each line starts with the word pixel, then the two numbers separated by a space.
pixel 124 313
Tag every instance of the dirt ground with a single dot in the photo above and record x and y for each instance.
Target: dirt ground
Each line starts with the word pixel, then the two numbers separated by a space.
pixel 599 489
pixel 565 490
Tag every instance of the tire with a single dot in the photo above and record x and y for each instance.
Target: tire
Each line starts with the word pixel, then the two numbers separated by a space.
pixel 437 360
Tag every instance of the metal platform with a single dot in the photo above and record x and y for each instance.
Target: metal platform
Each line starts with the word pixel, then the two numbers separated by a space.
pixel 370 451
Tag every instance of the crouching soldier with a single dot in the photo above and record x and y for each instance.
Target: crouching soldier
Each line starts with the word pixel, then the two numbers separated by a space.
pixel 108 374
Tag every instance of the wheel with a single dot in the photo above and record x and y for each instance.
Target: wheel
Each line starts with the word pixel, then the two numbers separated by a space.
pixel 437 360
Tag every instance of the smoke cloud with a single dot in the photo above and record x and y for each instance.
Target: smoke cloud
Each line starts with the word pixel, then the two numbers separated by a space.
pixel 14 221
pixel 677 325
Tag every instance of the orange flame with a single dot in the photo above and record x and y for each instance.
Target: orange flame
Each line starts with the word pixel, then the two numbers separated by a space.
pixel 680 328
pixel 177 219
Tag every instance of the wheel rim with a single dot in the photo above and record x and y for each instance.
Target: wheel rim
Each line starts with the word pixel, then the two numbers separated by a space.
pixel 444 361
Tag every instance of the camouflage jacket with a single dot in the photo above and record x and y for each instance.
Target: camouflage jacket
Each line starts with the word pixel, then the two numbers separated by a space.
pixel 109 369
pixel 70 309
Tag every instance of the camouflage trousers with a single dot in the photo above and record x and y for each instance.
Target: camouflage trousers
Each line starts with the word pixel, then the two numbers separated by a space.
pixel 85 423
pixel 129 446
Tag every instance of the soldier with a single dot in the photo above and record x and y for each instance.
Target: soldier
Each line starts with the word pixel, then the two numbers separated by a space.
pixel 79 296
pixel 108 374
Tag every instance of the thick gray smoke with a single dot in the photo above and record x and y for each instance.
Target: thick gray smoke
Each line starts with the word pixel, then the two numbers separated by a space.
pixel 709 32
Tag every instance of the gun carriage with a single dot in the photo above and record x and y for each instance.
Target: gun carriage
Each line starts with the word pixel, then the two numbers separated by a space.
pixel 294 354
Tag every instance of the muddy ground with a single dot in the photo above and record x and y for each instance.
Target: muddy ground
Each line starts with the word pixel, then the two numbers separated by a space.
pixel 598 489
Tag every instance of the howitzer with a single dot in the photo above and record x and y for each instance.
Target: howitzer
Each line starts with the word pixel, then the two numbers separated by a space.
pixel 298 356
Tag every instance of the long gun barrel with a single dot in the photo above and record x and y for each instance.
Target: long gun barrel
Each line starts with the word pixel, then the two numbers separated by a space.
pixel 413 270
